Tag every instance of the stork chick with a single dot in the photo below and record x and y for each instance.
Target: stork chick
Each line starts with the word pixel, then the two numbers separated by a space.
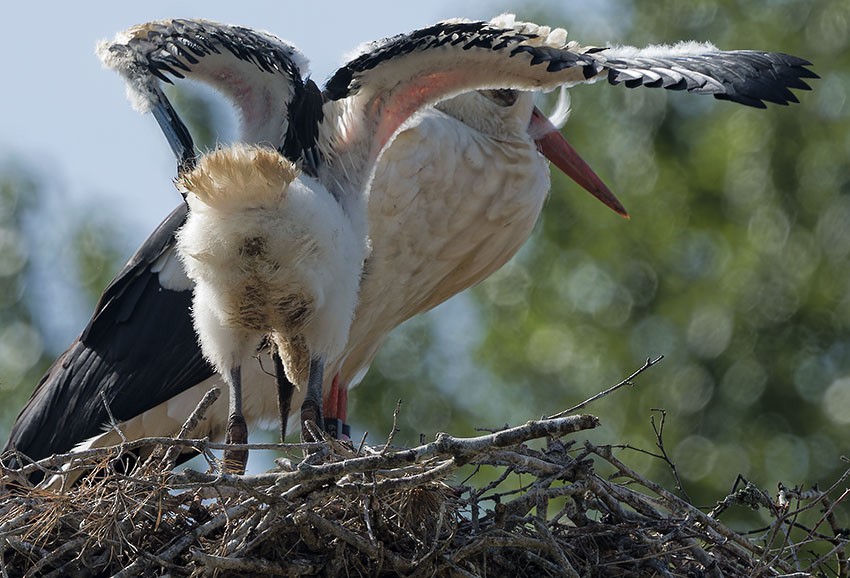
pixel 268 256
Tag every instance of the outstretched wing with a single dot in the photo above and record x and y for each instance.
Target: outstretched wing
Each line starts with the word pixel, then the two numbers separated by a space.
pixel 262 76
pixel 138 350
pixel 383 86
pixel 393 78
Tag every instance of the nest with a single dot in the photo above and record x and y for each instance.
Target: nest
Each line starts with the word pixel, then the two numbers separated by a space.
pixel 332 509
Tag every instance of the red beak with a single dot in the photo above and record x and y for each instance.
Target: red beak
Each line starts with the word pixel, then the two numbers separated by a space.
pixel 555 147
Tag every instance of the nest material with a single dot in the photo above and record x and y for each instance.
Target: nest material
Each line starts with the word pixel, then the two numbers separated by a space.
pixel 386 511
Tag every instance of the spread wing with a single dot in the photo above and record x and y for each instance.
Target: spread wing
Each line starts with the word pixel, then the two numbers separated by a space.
pixel 393 78
pixel 261 75
pixel 747 77
pixel 139 348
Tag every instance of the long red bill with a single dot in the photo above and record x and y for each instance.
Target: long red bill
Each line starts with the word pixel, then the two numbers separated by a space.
pixel 555 147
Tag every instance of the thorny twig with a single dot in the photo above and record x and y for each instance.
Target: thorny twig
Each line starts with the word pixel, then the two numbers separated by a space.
pixel 189 426
pixel 394 429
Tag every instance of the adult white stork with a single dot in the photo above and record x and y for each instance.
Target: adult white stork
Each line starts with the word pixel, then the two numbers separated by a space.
pixel 153 389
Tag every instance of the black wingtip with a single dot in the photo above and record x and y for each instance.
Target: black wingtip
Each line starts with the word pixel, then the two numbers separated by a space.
pixel 305 116
pixel 774 75
pixel 747 77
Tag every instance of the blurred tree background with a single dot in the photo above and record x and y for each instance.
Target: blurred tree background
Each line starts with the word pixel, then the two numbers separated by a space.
pixel 733 266
pixel 56 270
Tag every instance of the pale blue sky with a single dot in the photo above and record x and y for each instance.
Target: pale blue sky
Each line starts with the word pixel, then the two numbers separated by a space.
pixel 62 112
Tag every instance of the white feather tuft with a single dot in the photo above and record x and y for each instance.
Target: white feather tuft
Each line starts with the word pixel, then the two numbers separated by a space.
pixel 138 89
pixel 170 273
pixel 554 37
pixel 561 113
pixel 685 48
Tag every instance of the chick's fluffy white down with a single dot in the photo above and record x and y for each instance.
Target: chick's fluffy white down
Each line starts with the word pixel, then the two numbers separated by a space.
pixel 270 252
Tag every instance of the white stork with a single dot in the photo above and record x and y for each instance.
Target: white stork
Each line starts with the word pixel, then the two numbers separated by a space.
pixel 153 389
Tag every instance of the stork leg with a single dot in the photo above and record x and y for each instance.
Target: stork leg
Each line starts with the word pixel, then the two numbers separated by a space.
pixel 237 430
pixel 311 409
pixel 337 409
pixel 285 388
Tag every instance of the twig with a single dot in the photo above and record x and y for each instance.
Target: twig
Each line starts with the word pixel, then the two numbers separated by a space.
pixel 175 549
pixel 462 450
pixel 50 464
pixel 362 443
pixel 200 411
pixel 523 504
pixel 57 553
pixel 677 503
pixel 113 423
pixel 659 443
pixel 555 550
pixel 417 480
pixel 750 496
pixel 253 565
pixel 375 552
pixel 401 512
pixel 394 429
pixel 628 381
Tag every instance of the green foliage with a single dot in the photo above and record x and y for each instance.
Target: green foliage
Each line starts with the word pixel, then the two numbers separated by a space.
pixel 22 355
pixel 96 256
pixel 69 262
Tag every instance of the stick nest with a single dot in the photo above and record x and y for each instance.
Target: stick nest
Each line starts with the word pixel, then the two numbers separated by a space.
pixel 390 511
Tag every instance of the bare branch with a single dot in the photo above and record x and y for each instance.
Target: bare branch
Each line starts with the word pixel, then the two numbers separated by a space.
pixel 628 381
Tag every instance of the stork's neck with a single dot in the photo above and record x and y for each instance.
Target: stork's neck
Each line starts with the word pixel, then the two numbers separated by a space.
pixel 499 114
